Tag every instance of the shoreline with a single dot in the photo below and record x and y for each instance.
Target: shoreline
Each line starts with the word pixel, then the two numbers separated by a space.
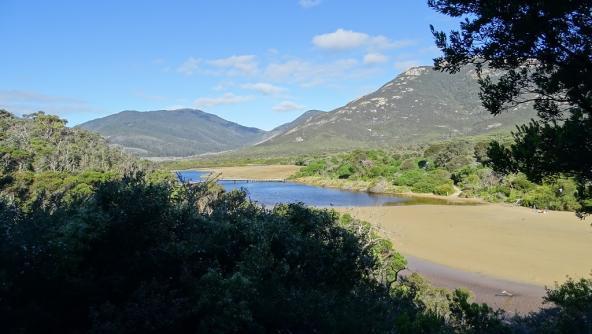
pixel 510 296
pixel 363 186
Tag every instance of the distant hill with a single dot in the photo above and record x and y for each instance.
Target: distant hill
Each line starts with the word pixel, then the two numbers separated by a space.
pixel 419 105
pixel 181 132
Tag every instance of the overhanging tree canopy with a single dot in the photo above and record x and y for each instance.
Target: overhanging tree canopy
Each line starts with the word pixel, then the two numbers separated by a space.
pixel 544 50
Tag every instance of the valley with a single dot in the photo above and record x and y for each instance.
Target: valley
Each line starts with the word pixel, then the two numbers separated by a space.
pixel 300 166
pixel 486 248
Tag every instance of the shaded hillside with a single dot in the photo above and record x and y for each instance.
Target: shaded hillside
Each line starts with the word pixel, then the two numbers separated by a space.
pixel 419 105
pixel 181 132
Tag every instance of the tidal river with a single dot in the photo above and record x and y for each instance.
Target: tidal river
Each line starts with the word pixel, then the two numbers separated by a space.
pixel 271 193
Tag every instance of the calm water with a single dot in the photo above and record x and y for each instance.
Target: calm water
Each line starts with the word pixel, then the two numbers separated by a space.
pixel 271 193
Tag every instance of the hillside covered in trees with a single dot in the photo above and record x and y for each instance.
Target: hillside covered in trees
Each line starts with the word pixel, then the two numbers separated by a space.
pixel 41 157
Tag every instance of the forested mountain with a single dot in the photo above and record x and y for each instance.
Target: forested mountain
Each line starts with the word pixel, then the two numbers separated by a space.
pixel 419 105
pixel 180 132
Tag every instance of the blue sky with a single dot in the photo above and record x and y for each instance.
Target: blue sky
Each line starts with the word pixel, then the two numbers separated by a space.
pixel 259 63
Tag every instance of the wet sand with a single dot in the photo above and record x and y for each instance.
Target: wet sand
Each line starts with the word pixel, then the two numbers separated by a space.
pixel 255 172
pixel 510 296
pixel 487 247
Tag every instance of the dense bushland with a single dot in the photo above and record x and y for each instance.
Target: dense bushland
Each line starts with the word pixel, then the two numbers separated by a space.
pixel 437 168
pixel 143 256
pixel 113 247
pixel 39 155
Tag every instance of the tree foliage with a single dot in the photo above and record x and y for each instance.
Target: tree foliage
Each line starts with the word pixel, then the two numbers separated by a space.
pixel 136 256
pixel 39 155
pixel 544 49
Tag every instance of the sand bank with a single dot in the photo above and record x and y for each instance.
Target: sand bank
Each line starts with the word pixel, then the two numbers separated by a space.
pixel 255 172
pixel 499 241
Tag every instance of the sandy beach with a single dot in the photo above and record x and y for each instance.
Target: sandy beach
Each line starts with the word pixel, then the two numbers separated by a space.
pixel 513 243
pixel 488 248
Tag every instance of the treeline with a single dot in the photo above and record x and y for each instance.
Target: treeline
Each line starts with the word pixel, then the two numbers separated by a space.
pixel 440 167
pixel 40 155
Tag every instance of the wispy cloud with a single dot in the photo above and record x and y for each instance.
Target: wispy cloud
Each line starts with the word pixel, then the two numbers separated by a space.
pixel 189 66
pixel 233 65
pixel 226 99
pixel 375 58
pixel 18 96
pixel 309 3
pixel 287 106
pixel 24 102
pixel 264 88
pixel 342 39
pixel 308 73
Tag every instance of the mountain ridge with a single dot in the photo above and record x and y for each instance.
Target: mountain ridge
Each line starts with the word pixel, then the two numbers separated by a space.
pixel 418 105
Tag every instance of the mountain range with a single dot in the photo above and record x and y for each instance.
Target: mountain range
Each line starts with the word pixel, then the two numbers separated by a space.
pixel 419 105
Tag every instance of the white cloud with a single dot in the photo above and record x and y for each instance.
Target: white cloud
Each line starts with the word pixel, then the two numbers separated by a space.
pixel 342 39
pixel 189 66
pixel 264 88
pixel 243 64
pixel 287 106
pixel 222 86
pixel 309 3
pixel 375 58
pixel 225 99
pixel 309 74
pixel 404 65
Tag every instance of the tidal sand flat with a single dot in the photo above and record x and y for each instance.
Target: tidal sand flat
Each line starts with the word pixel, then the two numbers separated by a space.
pixel 513 243
pixel 488 248
pixel 514 297
pixel 254 172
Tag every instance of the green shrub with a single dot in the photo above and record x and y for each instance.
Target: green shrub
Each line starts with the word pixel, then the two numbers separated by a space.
pixel 409 178
pixel 314 168
pixel 444 189
pixel 408 164
pixel 345 171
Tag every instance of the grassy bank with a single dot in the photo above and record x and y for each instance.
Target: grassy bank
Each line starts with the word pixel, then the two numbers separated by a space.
pixel 384 187
pixel 444 169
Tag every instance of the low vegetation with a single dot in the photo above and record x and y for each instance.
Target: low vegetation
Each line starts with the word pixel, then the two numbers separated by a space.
pixel 442 169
